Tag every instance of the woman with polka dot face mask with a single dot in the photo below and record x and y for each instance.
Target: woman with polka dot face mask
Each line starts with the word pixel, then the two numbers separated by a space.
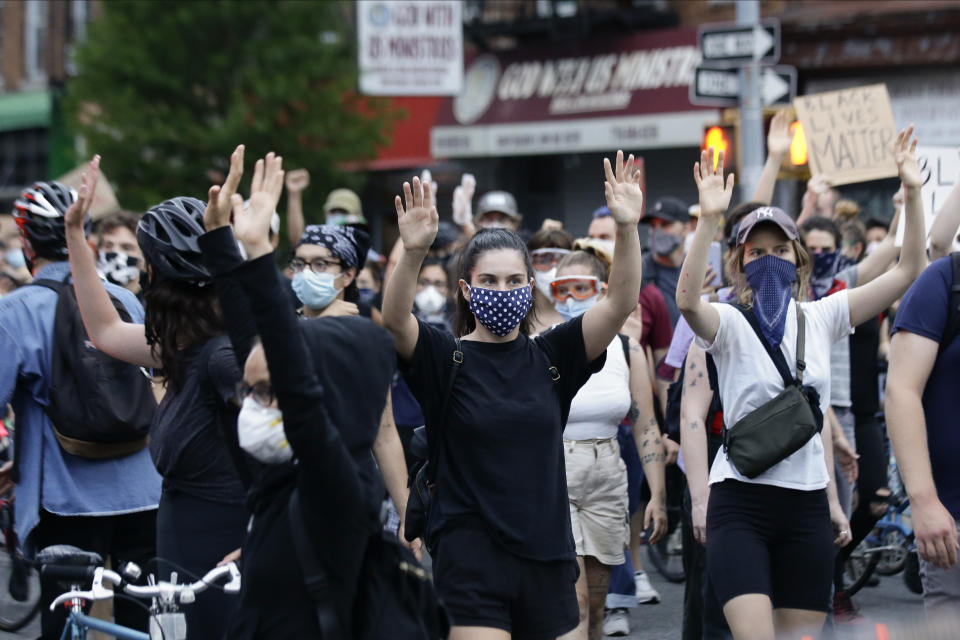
pixel 495 403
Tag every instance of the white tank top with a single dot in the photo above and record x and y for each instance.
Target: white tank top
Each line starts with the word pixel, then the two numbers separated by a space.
pixel 602 403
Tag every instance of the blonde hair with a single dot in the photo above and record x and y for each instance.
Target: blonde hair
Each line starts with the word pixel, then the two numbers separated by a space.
pixel 846 211
pixel 738 278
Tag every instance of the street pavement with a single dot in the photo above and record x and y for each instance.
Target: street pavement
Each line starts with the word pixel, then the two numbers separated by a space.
pixel 889 604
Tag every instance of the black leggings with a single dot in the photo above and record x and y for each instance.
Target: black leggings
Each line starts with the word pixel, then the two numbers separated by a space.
pixel 196 534
pixel 871 477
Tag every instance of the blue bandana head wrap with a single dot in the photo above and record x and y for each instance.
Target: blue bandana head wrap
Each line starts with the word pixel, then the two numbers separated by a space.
pixel 344 242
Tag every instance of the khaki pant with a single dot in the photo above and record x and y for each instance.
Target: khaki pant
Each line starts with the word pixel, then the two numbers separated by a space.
pixel 597 488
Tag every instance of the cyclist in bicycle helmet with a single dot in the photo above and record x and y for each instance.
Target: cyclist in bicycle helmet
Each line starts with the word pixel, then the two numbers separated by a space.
pixel 202 513
pixel 39 214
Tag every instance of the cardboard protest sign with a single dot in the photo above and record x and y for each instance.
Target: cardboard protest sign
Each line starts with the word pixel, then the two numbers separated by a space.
pixel 850 133
pixel 940 167
pixel 104 200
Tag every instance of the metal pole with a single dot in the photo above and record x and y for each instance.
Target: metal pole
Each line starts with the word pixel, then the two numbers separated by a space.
pixel 751 110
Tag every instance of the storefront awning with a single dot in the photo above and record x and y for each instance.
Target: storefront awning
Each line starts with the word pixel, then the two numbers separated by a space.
pixel 25 110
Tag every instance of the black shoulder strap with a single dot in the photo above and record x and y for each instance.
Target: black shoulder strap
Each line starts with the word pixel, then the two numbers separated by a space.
pixel 626 348
pixel 952 328
pixel 456 362
pixel 776 354
pixel 314 577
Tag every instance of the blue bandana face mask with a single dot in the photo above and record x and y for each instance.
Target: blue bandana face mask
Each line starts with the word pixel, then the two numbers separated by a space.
pixel 315 290
pixel 771 279
pixel 572 308
pixel 500 312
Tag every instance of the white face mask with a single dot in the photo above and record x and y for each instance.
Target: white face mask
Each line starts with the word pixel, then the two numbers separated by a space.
pixel 430 301
pixel 260 433
pixel 543 279
pixel 872 247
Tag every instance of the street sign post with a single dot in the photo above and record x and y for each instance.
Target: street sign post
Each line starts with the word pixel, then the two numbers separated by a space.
pixel 714 87
pixel 726 44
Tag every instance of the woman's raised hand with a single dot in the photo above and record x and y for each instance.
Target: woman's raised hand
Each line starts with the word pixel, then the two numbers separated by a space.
pixel 714 193
pixel 417 216
pixel 905 153
pixel 76 213
pixel 219 205
pixel 622 189
pixel 251 225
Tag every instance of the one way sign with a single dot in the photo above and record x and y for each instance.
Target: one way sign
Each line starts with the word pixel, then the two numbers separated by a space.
pixel 721 87
pixel 732 44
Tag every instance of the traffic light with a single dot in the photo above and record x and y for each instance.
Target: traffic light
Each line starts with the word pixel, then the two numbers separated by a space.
pixel 798 147
pixel 722 137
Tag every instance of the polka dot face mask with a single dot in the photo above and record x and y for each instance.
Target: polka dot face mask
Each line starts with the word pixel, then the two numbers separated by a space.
pixel 500 311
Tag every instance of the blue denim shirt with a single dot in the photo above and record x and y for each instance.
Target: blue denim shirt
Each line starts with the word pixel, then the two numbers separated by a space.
pixel 50 478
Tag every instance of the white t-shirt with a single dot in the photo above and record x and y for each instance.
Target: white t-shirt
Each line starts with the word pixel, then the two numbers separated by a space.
pixel 748 379
pixel 601 404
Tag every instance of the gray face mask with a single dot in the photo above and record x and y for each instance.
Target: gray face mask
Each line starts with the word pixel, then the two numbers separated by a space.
pixel 663 243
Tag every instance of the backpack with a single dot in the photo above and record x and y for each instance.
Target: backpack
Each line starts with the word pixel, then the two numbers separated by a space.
pixel 952 327
pixel 395 597
pixel 675 395
pixel 100 407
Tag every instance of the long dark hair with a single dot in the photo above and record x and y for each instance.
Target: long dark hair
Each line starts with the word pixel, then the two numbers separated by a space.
pixel 177 316
pixel 486 240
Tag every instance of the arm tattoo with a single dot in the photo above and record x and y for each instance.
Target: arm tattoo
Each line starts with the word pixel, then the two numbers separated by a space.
pixel 634 413
pixel 694 425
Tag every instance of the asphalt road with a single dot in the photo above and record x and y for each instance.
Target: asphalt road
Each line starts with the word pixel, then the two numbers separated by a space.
pixel 889 604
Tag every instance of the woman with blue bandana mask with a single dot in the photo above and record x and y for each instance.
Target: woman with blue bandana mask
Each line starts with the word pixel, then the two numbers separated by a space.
pixel 497 429
pixel 596 476
pixel 770 538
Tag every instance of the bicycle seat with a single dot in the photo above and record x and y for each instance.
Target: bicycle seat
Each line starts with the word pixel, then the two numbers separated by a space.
pixel 64 555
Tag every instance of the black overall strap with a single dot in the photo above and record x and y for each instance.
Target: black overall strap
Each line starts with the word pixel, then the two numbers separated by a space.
pixel 314 577
pixel 433 442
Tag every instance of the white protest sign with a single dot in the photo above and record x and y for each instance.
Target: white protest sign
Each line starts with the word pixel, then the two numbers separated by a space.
pixel 410 48
pixel 940 167
pixel 104 199
pixel 850 133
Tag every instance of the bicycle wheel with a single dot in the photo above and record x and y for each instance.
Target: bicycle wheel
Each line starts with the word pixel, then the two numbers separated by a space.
pixel 860 566
pixel 667 556
pixel 893 560
pixel 19 590
pixel 911 573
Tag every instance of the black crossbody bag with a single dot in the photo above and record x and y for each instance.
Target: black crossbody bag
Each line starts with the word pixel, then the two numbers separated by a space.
pixel 780 427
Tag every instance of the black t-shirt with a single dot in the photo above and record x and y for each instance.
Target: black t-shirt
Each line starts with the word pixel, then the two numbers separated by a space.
pixel 186 437
pixel 501 451
pixel 864 368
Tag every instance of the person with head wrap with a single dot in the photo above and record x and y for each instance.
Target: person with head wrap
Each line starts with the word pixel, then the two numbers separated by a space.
pixel 325 264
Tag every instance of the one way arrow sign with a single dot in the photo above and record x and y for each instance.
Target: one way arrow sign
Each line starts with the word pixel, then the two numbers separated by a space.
pixel 721 87
pixel 732 44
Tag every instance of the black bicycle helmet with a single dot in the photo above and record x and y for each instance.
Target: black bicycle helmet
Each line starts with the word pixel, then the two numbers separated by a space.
pixel 39 213
pixel 168 233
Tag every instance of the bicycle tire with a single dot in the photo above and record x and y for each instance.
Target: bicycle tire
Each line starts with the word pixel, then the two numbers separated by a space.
pixel 668 564
pixel 861 575
pixel 911 573
pixel 892 562
pixel 16 613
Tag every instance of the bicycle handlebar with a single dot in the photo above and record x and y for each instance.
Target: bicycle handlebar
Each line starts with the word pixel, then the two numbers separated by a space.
pixel 166 591
pixel 71 574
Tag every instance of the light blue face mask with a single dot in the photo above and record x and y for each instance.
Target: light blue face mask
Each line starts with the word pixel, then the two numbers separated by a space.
pixel 315 290
pixel 15 258
pixel 572 308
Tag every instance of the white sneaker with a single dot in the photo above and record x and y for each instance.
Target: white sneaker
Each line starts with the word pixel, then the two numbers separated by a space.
pixel 646 594
pixel 616 623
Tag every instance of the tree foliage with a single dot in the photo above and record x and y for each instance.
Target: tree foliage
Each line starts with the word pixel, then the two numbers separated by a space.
pixel 166 90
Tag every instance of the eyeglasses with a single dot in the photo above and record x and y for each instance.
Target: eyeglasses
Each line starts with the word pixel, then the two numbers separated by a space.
pixel 423 283
pixel 544 259
pixel 579 287
pixel 320 265
pixel 262 393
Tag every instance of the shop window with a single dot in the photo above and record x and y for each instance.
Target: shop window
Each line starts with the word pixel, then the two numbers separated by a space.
pixel 35 21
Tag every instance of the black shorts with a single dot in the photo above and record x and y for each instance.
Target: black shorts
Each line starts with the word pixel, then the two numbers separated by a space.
pixel 770 540
pixel 484 585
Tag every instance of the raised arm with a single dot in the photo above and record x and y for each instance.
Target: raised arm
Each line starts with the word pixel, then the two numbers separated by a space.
pixel 646 434
pixel 714 200
pixel 943 230
pixel 418 222
pixel 694 408
pixel 625 201
pixel 107 331
pixel 882 257
pixel 297 181
pixel 872 298
pixel 778 145
pixel 912 357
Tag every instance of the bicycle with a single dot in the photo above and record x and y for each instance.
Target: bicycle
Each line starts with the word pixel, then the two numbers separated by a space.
pixel 884 551
pixel 19 580
pixel 78 567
